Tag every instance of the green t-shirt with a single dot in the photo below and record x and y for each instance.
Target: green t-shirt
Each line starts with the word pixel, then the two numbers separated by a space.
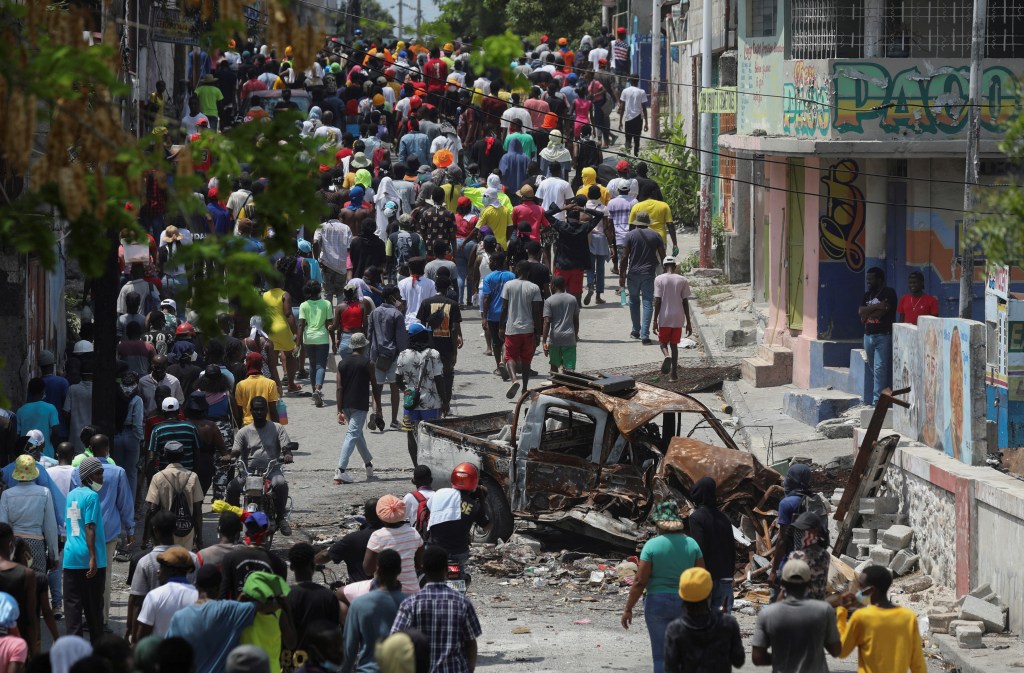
pixel 208 96
pixel 316 313
pixel 670 555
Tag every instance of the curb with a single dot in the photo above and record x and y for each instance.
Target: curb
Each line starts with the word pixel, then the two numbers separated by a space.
pixel 984 660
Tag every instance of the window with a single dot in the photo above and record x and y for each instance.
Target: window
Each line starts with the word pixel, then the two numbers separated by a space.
pixel 763 14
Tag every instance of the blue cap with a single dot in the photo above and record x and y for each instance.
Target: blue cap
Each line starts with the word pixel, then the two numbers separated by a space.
pixel 417 328
pixel 571 77
pixel 9 611
pixel 256 521
pixel 305 246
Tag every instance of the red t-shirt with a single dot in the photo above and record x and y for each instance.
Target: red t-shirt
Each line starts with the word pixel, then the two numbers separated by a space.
pixel 911 307
pixel 435 72
pixel 530 211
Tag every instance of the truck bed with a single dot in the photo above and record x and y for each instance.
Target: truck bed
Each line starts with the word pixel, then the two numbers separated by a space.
pixel 447 442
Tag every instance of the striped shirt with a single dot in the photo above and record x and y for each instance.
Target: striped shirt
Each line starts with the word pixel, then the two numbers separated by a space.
pixel 174 431
pixel 404 540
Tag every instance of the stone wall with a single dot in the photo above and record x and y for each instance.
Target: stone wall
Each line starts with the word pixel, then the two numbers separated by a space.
pixel 932 515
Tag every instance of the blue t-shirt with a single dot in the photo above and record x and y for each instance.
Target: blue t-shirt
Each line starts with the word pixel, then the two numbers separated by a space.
pixel 669 555
pixel 213 629
pixel 789 506
pixel 369 619
pixel 492 286
pixel 39 416
pixel 83 507
pixel 56 392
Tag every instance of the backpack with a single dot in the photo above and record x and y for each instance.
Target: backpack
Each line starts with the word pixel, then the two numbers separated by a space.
pixel 181 508
pixel 422 521
pixel 813 502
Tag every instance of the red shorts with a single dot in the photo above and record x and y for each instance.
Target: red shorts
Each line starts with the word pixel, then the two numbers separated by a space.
pixel 573 280
pixel 519 348
pixel 670 335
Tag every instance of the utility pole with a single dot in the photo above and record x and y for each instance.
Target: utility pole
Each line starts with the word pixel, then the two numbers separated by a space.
pixel 398 29
pixel 971 172
pixel 419 18
pixel 655 65
pixel 705 141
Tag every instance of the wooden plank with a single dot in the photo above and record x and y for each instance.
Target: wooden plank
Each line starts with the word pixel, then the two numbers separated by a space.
pixel 878 462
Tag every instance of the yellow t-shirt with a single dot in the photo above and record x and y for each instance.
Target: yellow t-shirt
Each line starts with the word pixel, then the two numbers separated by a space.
pixel 887 639
pixel 660 214
pixel 255 385
pixel 265 633
pixel 498 220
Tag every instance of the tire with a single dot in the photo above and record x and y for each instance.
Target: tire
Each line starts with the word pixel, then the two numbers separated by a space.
pixel 498 512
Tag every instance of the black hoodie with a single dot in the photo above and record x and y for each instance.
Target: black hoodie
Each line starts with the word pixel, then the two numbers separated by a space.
pixel 703 643
pixel 712 530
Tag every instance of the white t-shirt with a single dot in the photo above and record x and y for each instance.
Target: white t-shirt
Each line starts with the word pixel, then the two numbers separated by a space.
pixel 330 134
pixel 518 114
pixel 413 294
pixel 633 98
pixel 191 123
pixel 161 603
pixel 614 183
pixel 672 289
pixel 412 505
pixel 596 55
pixel 334 237
pixel 554 190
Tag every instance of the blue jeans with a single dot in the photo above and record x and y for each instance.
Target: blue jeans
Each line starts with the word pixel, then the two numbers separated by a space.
pixel 53 578
pixel 595 273
pixel 641 288
pixel 125 453
pixel 354 438
pixel 722 595
pixel 462 266
pixel 317 354
pixel 659 611
pixel 878 348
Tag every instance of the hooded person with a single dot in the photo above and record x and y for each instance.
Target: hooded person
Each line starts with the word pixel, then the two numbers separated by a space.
pixel 589 177
pixel 355 196
pixel 513 167
pixel 712 531
pixel 385 193
pixel 404 652
pixel 312 122
pixel 67 651
pixel 364 179
pixel 810 544
pixel 555 153
pixel 797 484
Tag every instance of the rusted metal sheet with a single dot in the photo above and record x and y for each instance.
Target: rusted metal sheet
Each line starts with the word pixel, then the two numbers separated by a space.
pixel 738 474
pixel 634 409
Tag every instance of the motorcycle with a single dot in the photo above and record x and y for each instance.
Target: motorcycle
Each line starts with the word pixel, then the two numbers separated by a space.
pixel 457 578
pixel 258 493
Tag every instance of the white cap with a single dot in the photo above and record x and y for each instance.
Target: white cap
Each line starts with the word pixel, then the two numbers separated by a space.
pixel 36 438
pixel 170 404
pixel 669 259
pixel 83 346
pixel 169 302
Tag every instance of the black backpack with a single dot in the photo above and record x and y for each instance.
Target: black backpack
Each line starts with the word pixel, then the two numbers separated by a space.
pixel 181 508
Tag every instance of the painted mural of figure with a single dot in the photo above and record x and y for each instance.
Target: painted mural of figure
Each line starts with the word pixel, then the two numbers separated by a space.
pixel 878 311
pixel 929 393
pixel 956 395
pixel 916 303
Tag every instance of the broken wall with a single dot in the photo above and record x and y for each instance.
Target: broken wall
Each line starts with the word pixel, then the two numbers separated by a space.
pixel 931 512
pixel 943 362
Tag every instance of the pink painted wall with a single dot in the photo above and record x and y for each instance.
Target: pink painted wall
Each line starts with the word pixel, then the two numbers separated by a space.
pixel 777 284
pixel 800 345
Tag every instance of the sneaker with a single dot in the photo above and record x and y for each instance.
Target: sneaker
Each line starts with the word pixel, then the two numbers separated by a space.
pixel 634 335
pixel 395 425
pixel 599 300
pixel 666 366
pixel 58 614
pixel 318 398
pixel 369 473
pixel 588 296
pixel 303 374
pixel 512 390
pixel 342 477
pixel 284 527
pixel 646 342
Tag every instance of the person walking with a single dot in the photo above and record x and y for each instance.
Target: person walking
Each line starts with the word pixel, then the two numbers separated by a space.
pixel 28 508
pixel 314 313
pixel 19 582
pixel 283 327
pixel 561 325
pixel 174 593
pixel 811 545
pixel 330 245
pixel 395 533
pixel 371 615
pixel 491 306
pixel 129 419
pixel 420 375
pixel 176 489
pixel 671 313
pixel 520 326
pixel 797 629
pixel 444 317
pixel 85 557
pixel 642 249
pixel 662 560
pixel 712 531
pixel 878 312
pixel 702 639
pixel 572 247
pixel 386 333
pixel 353 400
pixel 38 414
pixel 633 112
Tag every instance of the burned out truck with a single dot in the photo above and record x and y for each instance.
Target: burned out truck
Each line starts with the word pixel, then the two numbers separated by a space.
pixel 591 456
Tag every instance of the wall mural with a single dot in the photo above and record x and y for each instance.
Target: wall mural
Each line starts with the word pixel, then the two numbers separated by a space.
pixel 943 361
pixel 841 226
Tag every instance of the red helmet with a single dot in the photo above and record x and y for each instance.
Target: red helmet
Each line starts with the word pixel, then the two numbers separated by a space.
pixel 465 477
pixel 185 329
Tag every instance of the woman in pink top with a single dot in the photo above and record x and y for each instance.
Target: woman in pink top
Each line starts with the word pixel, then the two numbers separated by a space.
pixel 584 108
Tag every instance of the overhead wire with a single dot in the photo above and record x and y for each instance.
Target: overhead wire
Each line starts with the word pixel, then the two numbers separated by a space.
pixel 692 171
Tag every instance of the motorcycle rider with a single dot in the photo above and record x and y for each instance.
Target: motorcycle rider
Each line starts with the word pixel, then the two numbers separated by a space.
pixel 257 444
pixel 454 511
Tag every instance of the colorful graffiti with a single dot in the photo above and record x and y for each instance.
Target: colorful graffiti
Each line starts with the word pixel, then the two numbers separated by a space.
pixel 920 101
pixel 841 226
pixel 806 111
pixel 943 362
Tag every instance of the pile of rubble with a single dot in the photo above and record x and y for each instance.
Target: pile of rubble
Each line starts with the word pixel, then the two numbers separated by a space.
pixel 969 618
pixel 883 537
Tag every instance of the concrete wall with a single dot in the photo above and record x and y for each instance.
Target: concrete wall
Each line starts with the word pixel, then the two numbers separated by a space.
pixel 932 513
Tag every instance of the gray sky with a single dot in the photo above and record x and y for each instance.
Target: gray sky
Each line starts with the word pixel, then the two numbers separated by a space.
pixel 429 8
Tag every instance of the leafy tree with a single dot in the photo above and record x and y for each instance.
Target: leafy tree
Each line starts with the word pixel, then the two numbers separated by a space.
pixel 1001 235
pixel 561 19
pixel 675 168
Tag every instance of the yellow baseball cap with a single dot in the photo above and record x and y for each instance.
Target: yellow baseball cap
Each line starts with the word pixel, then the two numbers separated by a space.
pixel 695 585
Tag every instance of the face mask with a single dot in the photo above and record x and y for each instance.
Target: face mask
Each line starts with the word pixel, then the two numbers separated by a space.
pixel 96 487
pixel 863 599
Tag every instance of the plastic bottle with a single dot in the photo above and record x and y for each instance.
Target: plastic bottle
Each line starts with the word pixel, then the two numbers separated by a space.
pixel 622 297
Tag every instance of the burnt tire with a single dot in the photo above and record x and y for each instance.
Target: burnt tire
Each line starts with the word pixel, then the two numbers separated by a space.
pixel 498 512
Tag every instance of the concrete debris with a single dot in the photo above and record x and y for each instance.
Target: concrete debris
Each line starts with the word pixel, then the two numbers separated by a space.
pixel 881 505
pixel 898 537
pixel 903 562
pixel 939 620
pixel 918 584
pixel 865 536
pixel 880 555
pixel 985 593
pixel 993 616
pixel 883 521
pixel 968 637
pixel 837 428
pixel 849 560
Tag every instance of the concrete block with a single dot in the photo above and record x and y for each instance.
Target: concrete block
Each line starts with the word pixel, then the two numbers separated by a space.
pixel 864 550
pixel 763 374
pixel 898 537
pixel 994 616
pixel 863 566
pixel 969 638
pixel 814 406
pixel 903 562
pixel 917 584
pixel 982 591
pixel 939 620
pixel 883 521
pixel 880 555
pixel 864 536
pixel 733 338
pixel 849 560
pixel 957 624
pixel 883 505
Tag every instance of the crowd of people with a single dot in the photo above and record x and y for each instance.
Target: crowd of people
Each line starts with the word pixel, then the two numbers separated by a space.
pixel 455 195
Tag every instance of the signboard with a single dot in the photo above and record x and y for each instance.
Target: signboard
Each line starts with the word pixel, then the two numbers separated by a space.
pixel 998 282
pixel 720 100
pixel 172 25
